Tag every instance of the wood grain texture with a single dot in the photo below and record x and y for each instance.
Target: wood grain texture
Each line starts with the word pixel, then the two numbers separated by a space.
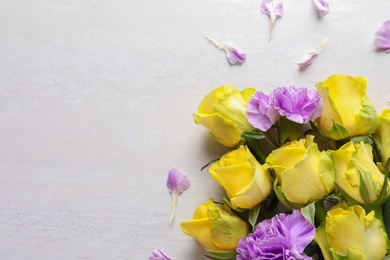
pixel 96 103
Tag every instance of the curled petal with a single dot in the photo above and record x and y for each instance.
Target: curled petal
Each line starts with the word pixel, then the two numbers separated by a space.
pixel 159 254
pixel 311 56
pixel 382 37
pixel 178 181
pixel 322 7
pixel 233 55
pixel 309 60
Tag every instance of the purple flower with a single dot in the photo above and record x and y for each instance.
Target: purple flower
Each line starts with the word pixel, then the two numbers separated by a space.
pixel 178 181
pixel 274 9
pixel 159 254
pixel 282 237
pixel 297 104
pixel 382 37
pixel 233 55
pixel 322 7
pixel 260 112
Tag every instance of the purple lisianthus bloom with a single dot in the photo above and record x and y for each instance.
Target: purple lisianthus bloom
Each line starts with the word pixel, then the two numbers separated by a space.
pixel 297 104
pixel 260 112
pixel 282 237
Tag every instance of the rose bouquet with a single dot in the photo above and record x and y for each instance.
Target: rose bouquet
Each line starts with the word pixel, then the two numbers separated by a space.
pixel 307 176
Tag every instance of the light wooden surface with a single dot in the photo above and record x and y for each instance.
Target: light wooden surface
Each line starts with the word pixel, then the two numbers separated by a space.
pixel 96 103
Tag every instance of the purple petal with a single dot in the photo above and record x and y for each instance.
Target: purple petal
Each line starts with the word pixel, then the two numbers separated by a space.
pixel 322 7
pixel 260 113
pixel 178 181
pixel 301 230
pixel 233 55
pixel 159 254
pixel 309 60
pixel 272 7
pixel 382 36
pixel 312 55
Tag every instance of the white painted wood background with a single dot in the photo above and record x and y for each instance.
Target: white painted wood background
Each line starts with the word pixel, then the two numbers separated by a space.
pixel 96 103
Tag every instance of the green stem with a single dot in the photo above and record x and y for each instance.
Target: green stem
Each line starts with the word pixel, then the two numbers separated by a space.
pixel 331 144
pixel 256 150
pixel 288 130
pixel 320 210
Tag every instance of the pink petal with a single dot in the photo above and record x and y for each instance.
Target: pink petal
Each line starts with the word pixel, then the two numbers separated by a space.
pixel 322 7
pixel 233 55
pixel 159 254
pixel 312 55
pixel 178 181
pixel 274 9
pixel 309 60
pixel 382 37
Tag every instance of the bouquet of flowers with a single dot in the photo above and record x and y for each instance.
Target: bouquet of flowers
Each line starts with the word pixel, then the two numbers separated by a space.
pixel 307 176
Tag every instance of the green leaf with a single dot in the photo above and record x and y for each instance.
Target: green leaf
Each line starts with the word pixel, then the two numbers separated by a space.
pixel 317 131
pixel 281 197
pixel 338 132
pixel 384 195
pixel 386 216
pixel 336 256
pixel 362 138
pixel 309 212
pixel 253 215
pixel 231 206
pixel 254 135
pixel 367 186
pixel 222 255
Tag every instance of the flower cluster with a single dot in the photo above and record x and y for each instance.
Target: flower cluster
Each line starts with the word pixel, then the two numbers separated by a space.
pixel 307 176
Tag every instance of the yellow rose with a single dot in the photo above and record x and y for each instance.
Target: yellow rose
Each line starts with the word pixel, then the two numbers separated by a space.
pixel 215 227
pixel 348 233
pixel 347 110
pixel 223 112
pixel 242 176
pixel 381 136
pixel 304 174
pixel 356 172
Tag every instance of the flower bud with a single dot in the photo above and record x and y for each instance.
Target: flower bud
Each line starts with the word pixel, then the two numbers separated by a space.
pixel 223 112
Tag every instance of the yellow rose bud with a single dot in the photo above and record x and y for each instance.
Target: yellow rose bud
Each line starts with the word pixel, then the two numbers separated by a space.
pixel 356 172
pixel 223 112
pixel 381 136
pixel 348 233
pixel 215 227
pixel 245 180
pixel 304 174
pixel 347 110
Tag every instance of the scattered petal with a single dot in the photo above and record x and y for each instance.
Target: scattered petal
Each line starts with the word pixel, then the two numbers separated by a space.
pixel 322 7
pixel 382 37
pixel 178 181
pixel 159 254
pixel 312 55
pixel 274 9
pixel 234 56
